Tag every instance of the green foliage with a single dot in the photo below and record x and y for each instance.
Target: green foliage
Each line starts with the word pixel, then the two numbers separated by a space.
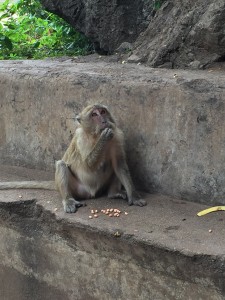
pixel 157 4
pixel 28 31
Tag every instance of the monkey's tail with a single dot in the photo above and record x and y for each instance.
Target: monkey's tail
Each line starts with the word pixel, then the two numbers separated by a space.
pixel 45 185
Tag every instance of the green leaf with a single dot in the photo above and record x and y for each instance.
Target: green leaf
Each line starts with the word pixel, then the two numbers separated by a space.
pixel 4 5
pixel 11 26
pixel 36 44
pixel 28 31
pixel 6 42
pixel 157 4
pixel 3 16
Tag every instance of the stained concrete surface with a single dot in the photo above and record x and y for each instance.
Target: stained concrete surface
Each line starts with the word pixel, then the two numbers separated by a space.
pixel 164 250
pixel 164 221
pixel 173 120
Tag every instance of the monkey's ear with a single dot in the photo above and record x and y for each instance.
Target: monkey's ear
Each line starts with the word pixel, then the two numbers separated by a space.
pixel 78 118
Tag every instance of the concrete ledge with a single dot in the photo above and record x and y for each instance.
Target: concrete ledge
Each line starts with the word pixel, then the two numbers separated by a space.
pixel 163 251
pixel 174 123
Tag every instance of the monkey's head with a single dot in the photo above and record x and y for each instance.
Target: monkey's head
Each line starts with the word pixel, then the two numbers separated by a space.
pixel 95 118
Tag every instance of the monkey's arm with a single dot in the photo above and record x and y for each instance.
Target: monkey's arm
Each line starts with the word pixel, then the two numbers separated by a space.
pixel 122 172
pixel 96 152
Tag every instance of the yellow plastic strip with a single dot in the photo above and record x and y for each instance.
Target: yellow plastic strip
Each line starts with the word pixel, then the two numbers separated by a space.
pixel 209 210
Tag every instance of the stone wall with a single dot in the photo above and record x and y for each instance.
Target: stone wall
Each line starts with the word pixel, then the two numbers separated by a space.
pixel 173 123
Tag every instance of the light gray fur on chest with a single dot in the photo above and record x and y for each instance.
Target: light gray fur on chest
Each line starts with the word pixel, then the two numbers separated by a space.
pixel 103 166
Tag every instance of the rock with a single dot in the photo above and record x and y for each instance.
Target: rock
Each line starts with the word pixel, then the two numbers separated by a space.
pixel 124 47
pixel 106 23
pixel 133 59
pixel 166 65
pixel 179 34
pixel 195 64
pixel 187 35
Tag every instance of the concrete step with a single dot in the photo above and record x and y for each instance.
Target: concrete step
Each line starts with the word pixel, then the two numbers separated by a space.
pixel 161 251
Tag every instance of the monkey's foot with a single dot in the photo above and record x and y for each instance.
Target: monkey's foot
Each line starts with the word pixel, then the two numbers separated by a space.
pixel 120 195
pixel 139 202
pixel 70 205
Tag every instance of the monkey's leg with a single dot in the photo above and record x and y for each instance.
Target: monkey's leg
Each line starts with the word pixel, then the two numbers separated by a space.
pixel 115 190
pixel 123 174
pixel 64 179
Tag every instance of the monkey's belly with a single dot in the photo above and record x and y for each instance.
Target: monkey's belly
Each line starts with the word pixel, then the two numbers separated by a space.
pixel 91 182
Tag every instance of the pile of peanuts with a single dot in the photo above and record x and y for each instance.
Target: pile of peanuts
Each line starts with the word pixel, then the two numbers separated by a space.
pixel 111 212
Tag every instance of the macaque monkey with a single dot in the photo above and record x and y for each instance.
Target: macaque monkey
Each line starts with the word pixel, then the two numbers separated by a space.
pixel 94 163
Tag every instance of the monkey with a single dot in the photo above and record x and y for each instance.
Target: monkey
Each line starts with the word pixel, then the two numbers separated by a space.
pixel 93 164
pixel 95 161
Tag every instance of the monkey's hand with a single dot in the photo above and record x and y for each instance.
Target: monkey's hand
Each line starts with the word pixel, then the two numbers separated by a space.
pixel 107 134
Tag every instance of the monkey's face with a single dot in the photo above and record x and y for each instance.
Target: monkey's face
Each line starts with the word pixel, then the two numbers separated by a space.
pixel 100 118
pixel 95 118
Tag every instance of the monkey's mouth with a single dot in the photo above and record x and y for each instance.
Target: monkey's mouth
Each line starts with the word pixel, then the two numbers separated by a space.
pixel 104 126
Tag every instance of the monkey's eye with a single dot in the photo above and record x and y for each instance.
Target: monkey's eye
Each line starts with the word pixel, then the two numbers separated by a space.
pixel 103 112
pixel 93 114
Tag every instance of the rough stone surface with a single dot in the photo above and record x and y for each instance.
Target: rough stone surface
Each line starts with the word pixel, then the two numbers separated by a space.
pixel 173 122
pixel 106 23
pixel 162 251
pixel 186 34
pixel 181 34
